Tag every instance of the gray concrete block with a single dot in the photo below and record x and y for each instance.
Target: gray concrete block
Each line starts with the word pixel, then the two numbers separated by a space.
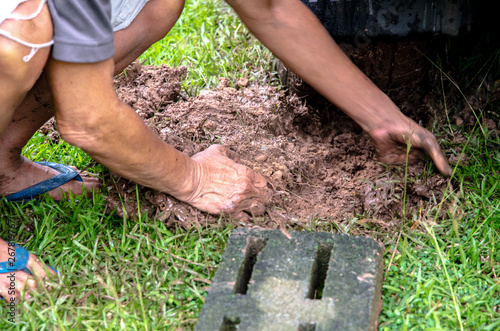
pixel 311 282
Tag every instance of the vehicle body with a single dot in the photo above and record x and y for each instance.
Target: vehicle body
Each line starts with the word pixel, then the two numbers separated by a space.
pixel 388 39
pixel 364 19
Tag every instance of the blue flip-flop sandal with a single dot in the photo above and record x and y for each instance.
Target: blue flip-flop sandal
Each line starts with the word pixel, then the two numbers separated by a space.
pixel 19 263
pixel 66 174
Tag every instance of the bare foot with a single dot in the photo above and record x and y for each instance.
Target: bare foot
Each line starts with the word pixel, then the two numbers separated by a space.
pixel 14 284
pixel 26 173
pixel 224 186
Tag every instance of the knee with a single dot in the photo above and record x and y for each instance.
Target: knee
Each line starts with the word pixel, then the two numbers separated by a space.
pixel 78 125
pixel 11 55
pixel 175 7
pixel 83 134
pixel 168 8
pixel 88 126
pixel 38 30
pixel 12 67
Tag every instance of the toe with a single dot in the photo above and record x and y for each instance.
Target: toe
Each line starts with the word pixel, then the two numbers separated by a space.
pixel 38 268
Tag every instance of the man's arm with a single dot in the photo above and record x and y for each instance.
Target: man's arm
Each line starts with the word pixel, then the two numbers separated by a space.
pixel 294 34
pixel 90 116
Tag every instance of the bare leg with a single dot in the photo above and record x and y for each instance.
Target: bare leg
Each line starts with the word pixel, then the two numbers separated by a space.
pixel 20 119
pixel 152 24
pixel 16 78
pixel 17 173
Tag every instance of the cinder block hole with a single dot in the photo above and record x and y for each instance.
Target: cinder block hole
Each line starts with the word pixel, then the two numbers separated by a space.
pixel 230 324
pixel 252 249
pixel 319 270
pixel 307 326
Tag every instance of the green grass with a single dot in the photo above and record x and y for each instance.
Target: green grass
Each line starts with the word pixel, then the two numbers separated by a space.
pixel 123 274
pixel 449 270
pixel 115 271
pixel 210 40
pixel 445 275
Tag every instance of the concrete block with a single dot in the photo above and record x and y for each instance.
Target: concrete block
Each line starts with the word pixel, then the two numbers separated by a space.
pixel 309 282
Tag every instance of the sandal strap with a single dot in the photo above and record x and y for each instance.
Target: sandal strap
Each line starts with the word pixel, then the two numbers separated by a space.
pixel 17 261
pixel 65 175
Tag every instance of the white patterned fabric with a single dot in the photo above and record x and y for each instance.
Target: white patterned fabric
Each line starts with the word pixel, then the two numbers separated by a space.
pixel 123 12
pixel 7 7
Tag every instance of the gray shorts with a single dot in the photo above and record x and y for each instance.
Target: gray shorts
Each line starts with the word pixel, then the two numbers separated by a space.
pixel 83 30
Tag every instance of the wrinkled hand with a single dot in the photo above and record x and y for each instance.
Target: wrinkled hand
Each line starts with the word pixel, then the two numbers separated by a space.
pixel 224 186
pixel 391 142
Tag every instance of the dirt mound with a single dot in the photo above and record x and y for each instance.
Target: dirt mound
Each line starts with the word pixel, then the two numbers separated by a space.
pixel 317 166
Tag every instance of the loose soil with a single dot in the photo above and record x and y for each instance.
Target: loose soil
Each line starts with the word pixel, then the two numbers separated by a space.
pixel 319 164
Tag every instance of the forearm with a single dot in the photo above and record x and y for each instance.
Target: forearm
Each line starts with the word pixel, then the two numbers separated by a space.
pixel 131 149
pixel 292 32
pixel 90 116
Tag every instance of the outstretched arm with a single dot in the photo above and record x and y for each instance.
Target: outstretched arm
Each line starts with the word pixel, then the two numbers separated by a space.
pixel 90 116
pixel 294 34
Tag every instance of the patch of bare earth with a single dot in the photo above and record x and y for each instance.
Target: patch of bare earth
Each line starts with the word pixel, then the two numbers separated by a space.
pixel 319 165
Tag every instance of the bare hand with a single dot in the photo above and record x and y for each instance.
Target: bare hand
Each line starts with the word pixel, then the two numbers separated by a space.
pixel 224 186
pixel 392 140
